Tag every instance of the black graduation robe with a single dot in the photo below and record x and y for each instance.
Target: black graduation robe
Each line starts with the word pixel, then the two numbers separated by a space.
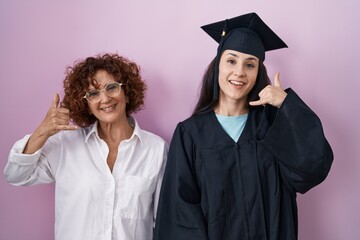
pixel 218 189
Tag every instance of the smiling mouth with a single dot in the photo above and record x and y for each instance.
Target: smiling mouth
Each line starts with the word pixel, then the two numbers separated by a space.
pixel 108 109
pixel 237 83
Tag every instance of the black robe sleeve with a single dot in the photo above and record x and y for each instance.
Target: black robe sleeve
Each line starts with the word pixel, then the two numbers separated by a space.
pixel 179 213
pixel 296 139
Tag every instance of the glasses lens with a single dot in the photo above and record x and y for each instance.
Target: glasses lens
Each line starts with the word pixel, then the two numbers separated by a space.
pixel 112 89
pixel 93 96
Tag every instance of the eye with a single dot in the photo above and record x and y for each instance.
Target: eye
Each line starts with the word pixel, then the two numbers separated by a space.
pixel 231 61
pixel 250 65
pixel 112 87
pixel 93 93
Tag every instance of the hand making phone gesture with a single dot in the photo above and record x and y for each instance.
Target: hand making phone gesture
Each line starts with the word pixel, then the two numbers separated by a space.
pixel 271 94
pixel 56 119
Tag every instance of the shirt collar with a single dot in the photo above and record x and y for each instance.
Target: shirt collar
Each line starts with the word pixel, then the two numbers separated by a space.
pixel 137 133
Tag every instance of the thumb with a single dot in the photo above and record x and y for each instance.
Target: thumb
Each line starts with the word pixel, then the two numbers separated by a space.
pixel 277 80
pixel 55 101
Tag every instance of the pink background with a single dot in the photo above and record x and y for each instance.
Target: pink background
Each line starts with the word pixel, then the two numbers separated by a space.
pixel 38 39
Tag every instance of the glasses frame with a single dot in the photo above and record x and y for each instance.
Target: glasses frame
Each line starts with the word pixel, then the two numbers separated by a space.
pixel 103 90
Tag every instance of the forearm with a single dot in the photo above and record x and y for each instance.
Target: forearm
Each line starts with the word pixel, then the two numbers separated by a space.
pixel 35 142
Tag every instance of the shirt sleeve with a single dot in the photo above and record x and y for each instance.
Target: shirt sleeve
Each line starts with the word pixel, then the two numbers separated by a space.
pixel 295 137
pixel 179 214
pixel 27 169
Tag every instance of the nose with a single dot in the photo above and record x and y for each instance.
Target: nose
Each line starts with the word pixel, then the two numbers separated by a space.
pixel 103 95
pixel 239 72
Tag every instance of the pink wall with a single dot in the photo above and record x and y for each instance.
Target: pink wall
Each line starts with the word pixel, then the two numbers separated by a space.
pixel 39 38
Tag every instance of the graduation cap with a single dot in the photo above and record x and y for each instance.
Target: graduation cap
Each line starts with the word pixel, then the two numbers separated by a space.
pixel 247 34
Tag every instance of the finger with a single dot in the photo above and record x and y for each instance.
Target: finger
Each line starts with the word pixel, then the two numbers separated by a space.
pixel 66 127
pixel 57 113
pixel 256 103
pixel 263 94
pixel 63 110
pixel 277 80
pixel 55 101
pixel 62 121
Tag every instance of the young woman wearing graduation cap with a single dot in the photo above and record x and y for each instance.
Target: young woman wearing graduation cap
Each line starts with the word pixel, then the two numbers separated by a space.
pixel 235 166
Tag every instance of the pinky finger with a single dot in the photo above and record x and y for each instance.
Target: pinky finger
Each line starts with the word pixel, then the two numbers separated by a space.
pixel 67 127
pixel 256 103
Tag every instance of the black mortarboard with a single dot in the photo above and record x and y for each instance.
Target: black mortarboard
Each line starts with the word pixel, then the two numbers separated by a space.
pixel 247 34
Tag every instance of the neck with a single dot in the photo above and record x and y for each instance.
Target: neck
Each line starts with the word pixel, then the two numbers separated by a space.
pixel 115 132
pixel 235 108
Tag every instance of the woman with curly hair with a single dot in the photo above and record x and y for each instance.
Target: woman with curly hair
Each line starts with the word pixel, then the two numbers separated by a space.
pixel 107 170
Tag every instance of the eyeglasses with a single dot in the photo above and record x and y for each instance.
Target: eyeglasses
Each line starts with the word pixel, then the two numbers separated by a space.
pixel 111 90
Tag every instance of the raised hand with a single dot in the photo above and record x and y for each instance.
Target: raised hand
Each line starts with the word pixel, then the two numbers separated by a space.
pixel 271 94
pixel 56 119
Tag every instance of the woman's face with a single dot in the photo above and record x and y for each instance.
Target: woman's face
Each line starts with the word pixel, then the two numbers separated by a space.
pixel 237 76
pixel 110 109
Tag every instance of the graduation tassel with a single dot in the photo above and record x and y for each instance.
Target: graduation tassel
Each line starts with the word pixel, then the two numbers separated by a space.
pixel 224 29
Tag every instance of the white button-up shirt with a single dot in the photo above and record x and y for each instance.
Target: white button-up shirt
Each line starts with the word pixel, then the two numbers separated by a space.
pixel 91 202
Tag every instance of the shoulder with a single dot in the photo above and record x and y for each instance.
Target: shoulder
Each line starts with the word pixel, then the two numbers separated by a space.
pixel 151 138
pixel 195 126
pixel 145 137
pixel 196 121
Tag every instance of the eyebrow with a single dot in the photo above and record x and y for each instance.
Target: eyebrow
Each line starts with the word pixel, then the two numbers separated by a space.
pixel 234 55
pixel 102 85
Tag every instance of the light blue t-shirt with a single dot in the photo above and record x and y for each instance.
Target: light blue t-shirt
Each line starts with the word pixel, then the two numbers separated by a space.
pixel 233 125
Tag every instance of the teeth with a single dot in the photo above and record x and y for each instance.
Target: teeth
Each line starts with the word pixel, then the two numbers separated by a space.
pixel 108 108
pixel 237 83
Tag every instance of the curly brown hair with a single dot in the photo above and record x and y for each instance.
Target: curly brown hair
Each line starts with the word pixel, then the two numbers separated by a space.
pixel 80 76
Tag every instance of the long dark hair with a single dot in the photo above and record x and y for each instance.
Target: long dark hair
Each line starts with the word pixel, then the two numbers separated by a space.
pixel 207 101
